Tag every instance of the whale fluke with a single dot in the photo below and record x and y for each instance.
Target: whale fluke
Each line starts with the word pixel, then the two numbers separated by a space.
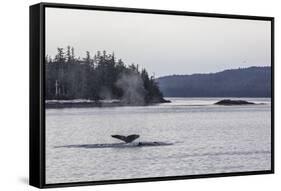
pixel 126 139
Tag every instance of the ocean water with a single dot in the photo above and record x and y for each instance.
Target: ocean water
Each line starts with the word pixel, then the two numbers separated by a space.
pixel 205 138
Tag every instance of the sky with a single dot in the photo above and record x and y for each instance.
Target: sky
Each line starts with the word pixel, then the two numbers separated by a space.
pixel 162 44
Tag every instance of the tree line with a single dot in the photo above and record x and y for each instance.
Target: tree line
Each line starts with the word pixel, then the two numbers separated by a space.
pixel 97 77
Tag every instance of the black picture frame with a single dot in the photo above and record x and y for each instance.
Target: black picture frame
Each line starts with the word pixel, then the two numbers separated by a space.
pixel 37 88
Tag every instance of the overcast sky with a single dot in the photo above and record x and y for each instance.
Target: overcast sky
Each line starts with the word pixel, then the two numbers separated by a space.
pixel 163 44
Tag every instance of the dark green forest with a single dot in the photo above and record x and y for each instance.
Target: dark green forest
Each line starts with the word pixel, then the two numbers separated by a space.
pixel 98 77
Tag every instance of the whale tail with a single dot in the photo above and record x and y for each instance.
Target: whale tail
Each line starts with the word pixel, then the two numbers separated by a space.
pixel 126 139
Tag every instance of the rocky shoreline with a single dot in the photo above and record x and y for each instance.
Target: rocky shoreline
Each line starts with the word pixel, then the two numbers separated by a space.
pixel 55 104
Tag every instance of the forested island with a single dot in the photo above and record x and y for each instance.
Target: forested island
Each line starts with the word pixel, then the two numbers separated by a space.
pixel 96 79
pixel 241 82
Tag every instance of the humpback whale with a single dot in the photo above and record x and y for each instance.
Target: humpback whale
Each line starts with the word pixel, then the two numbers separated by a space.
pixel 116 145
pixel 126 139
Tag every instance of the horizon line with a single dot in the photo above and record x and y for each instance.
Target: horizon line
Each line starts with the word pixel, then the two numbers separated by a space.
pixel 239 68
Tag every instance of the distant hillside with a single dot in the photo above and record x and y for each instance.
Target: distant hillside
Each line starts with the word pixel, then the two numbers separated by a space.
pixel 246 82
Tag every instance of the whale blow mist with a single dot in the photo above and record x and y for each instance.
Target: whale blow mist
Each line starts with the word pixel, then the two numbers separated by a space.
pixel 133 89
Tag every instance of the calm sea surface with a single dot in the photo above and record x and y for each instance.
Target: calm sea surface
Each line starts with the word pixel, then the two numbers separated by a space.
pixel 206 139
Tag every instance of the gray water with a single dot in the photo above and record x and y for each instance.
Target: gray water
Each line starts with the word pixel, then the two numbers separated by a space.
pixel 205 139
